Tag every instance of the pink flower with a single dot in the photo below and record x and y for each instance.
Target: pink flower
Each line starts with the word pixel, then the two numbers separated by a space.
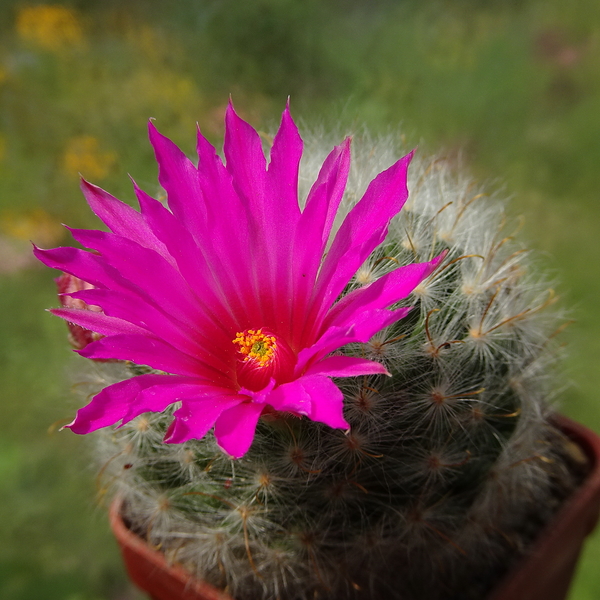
pixel 229 292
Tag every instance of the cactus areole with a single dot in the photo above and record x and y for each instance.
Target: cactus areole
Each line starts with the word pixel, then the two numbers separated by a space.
pixel 323 387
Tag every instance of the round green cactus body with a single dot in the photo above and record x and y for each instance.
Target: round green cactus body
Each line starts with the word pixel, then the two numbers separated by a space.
pixel 426 495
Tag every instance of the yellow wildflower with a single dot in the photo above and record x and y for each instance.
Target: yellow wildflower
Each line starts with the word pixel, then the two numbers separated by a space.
pixel 36 225
pixel 49 26
pixel 83 156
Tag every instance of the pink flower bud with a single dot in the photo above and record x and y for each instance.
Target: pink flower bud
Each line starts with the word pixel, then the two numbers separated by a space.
pixel 67 284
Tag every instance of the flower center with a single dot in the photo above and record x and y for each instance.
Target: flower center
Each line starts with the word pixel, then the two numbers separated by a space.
pixel 256 346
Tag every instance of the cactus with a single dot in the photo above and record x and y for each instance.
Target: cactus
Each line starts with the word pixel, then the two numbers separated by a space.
pixel 449 466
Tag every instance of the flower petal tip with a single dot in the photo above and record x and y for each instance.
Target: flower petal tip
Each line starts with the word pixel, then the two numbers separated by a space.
pixel 437 261
pixel 170 434
pixel 230 108
pixel 152 130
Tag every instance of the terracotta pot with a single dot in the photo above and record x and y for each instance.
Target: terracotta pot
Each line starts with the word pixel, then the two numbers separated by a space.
pixel 545 573
pixel 547 570
pixel 149 570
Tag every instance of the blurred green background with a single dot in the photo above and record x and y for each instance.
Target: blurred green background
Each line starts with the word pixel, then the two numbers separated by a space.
pixel 513 86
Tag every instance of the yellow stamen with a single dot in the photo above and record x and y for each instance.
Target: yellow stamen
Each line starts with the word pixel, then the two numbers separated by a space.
pixel 256 346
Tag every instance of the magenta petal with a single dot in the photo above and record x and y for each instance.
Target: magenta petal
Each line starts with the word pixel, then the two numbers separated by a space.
pixel 146 350
pixel 223 293
pixel 327 401
pixel 280 215
pixel 315 396
pixel 130 307
pixel 363 230
pixel 346 366
pixel 312 232
pixel 326 193
pixel 216 182
pixel 333 339
pixel 265 260
pixel 219 294
pixel 197 415
pixel 158 397
pixel 114 402
pixel 97 322
pixel 235 427
pixel 360 331
pixel 120 217
pixel 387 290
pixel 290 397
pixel 372 321
pixel 282 176
pixel 93 269
pixel 148 271
pixel 191 259
pixel 246 162
pixel 88 267
pixel 179 178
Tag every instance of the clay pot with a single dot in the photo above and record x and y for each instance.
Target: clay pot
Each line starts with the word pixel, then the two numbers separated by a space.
pixel 548 569
pixel 545 572
pixel 149 570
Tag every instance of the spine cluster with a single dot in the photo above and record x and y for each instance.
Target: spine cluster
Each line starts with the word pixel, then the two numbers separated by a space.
pixel 449 465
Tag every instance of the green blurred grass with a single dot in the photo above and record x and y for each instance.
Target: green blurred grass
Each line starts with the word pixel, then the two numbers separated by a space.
pixel 513 86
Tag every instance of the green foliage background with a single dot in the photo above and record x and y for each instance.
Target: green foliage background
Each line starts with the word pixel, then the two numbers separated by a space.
pixel 510 86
